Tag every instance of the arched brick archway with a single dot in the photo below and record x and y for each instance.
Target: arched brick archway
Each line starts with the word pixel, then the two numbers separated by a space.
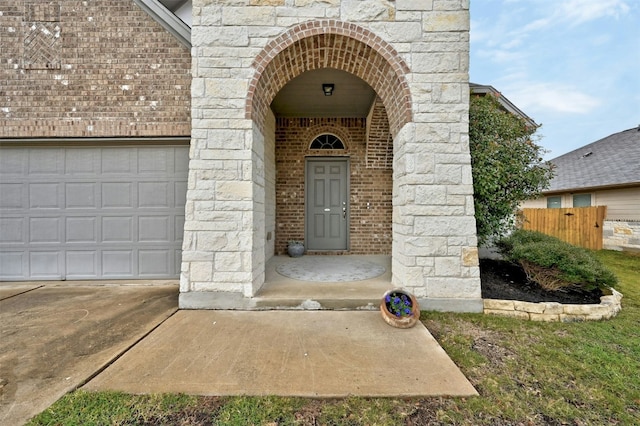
pixel 331 44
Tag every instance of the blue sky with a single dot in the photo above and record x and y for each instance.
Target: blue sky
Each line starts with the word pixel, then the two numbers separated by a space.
pixel 571 65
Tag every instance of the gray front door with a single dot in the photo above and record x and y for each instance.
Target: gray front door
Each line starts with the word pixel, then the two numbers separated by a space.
pixel 327 210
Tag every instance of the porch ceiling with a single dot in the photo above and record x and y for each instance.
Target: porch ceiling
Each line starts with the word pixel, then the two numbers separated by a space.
pixel 303 96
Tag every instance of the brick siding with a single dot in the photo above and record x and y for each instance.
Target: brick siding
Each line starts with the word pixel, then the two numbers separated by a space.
pixel 379 142
pixel 370 226
pixel 90 69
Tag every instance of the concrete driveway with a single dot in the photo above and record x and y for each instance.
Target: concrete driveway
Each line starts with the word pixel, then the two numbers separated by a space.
pixel 56 336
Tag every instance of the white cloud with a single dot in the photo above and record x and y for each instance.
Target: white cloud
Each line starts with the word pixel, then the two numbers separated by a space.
pixel 500 55
pixel 552 97
pixel 574 13
pixel 477 32
pixel 581 11
pixel 511 44
pixel 518 23
pixel 538 24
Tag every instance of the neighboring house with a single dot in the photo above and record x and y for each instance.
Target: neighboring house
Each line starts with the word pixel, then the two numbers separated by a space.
pixel 602 173
pixel 341 123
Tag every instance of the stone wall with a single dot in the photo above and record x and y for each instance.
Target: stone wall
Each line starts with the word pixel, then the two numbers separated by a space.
pixel 73 68
pixel 621 235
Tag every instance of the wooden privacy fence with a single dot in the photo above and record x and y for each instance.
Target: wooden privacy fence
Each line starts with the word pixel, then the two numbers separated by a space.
pixel 580 226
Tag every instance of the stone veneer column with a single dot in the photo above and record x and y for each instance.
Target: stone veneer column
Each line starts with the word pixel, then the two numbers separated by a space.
pixel 435 245
pixel 434 242
pixel 225 195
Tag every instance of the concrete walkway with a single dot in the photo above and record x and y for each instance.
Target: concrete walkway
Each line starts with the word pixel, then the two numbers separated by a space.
pixel 289 353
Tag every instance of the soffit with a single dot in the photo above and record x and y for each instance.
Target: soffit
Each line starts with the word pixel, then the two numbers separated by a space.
pixel 172 5
pixel 167 18
pixel 303 96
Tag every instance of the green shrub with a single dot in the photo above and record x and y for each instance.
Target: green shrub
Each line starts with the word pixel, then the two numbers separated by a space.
pixel 554 264
pixel 521 237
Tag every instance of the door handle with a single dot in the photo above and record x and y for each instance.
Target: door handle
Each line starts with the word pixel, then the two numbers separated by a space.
pixel 344 212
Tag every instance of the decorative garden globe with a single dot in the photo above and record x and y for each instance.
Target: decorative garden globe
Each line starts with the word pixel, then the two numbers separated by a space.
pixel 399 308
pixel 295 248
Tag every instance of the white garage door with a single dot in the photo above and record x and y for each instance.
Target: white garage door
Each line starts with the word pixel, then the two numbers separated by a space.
pixel 91 212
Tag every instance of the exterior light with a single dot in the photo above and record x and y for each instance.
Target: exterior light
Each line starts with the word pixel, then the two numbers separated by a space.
pixel 327 89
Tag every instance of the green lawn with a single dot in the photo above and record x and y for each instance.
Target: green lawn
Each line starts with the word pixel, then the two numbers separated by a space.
pixel 527 373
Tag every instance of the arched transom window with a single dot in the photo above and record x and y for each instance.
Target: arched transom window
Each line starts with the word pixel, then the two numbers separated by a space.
pixel 327 141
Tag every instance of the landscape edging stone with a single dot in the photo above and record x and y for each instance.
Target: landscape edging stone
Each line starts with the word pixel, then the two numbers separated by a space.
pixel 608 307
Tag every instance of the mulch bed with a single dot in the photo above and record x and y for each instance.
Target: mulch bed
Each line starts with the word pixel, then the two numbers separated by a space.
pixel 506 281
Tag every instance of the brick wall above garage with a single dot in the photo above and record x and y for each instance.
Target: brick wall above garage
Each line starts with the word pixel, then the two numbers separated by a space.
pixel 72 68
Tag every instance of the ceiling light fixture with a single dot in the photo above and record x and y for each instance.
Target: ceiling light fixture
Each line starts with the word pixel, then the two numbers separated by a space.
pixel 327 89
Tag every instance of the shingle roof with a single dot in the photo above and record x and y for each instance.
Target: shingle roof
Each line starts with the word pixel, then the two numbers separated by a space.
pixel 611 161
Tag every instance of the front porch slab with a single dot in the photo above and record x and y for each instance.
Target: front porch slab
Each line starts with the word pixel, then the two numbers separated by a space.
pixel 281 292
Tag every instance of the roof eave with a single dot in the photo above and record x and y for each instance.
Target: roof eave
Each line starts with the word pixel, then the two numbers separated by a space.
pixel 591 188
pixel 485 89
pixel 167 19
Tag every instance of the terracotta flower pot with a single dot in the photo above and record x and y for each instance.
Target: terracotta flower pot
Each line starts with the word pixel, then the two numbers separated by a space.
pixel 399 308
